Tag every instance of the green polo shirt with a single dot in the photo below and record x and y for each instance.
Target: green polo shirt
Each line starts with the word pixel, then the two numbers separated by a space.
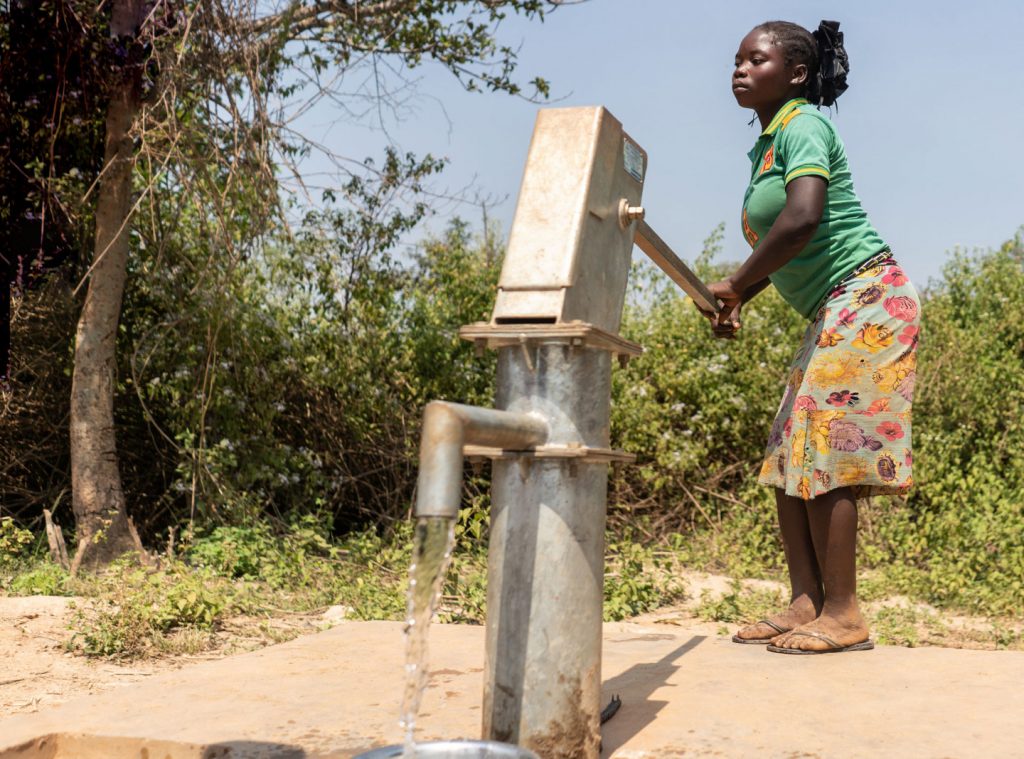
pixel 798 142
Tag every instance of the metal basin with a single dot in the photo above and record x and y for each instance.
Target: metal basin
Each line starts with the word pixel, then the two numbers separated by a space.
pixel 455 750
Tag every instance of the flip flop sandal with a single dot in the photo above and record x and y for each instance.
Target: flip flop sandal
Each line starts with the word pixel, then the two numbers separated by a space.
pixel 761 641
pixel 834 648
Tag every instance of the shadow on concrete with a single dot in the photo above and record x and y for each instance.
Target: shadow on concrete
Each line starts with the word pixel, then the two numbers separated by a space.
pixel 635 687
pixel 253 750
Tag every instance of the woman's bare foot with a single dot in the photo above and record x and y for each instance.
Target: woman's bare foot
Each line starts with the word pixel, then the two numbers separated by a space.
pixel 801 611
pixel 845 628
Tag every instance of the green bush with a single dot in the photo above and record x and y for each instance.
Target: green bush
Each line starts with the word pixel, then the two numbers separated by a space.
pixel 14 543
pixel 296 386
pixel 956 540
pixel 236 552
pixel 39 579
pixel 137 609
pixel 637 579
pixel 272 401
pixel 282 558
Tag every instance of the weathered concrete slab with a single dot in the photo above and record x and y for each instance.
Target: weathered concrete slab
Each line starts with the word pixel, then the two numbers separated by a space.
pixel 684 694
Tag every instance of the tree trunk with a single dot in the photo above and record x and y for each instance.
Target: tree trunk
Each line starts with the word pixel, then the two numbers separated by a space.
pixel 101 520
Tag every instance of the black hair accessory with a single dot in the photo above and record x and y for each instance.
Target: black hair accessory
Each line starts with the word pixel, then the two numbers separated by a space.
pixel 833 62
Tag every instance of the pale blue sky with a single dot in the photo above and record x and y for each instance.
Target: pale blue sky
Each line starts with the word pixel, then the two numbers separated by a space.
pixel 932 121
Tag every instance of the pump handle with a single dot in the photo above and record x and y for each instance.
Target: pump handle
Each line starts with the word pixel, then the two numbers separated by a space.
pixel 658 251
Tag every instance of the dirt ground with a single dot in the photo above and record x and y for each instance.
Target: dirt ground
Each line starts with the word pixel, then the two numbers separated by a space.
pixel 35 669
pixel 37 672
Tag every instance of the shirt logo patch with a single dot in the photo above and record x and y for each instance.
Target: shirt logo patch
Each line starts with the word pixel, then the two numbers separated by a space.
pixel 769 160
pixel 749 233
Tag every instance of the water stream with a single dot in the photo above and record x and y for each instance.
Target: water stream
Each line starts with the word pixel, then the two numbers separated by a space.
pixel 431 553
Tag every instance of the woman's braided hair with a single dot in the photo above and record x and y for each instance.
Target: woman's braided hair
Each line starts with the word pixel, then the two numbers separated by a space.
pixel 821 51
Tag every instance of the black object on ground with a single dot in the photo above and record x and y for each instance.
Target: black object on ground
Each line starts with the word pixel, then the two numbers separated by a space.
pixel 609 711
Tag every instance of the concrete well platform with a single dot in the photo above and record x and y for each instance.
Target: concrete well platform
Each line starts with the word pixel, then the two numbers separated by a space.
pixel 684 694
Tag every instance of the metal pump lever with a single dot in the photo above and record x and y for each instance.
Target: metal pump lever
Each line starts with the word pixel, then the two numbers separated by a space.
pixel 658 251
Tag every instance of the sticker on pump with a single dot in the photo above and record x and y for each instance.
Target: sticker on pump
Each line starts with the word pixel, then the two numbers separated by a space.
pixel 634 160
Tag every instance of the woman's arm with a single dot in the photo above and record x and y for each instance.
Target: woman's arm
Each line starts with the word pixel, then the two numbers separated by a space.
pixel 792 230
pixel 754 289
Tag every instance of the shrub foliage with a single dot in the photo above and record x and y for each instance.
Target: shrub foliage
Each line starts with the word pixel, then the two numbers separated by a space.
pixel 278 398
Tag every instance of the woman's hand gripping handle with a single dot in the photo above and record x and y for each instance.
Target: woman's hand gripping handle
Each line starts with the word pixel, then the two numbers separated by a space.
pixel 726 323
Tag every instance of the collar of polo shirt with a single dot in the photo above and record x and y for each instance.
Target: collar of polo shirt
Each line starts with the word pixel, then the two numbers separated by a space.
pixel 785 113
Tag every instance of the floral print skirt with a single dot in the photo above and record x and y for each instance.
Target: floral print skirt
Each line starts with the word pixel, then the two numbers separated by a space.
pixel 845 415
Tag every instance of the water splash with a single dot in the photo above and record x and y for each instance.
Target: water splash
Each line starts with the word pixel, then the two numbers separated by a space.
pixel 431 554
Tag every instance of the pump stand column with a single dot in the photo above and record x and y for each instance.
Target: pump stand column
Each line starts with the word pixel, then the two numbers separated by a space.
pixel 555 325
pixel 546 562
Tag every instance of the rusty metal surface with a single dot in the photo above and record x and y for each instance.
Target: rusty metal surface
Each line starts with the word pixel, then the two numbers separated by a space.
pixel 568 258
pixel 537 305
pixel 552 200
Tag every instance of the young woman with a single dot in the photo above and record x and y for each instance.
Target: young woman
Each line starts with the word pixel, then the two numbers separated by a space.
pixel 843 429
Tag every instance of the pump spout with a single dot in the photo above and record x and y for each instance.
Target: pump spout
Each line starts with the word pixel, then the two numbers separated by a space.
pixel 447 427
